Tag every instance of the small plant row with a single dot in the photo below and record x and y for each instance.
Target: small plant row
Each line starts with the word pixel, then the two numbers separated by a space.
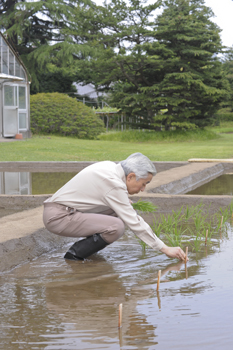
pixel 188 226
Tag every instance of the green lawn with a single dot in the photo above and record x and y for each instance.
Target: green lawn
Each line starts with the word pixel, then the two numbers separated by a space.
pixel 54 148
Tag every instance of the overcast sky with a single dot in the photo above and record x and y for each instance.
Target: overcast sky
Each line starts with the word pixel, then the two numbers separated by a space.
pixel 223 10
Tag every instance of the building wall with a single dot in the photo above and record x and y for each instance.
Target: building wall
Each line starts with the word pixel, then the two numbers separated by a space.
pixel 13 74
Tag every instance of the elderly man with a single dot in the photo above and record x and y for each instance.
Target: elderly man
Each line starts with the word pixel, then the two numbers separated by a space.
pixel 95 204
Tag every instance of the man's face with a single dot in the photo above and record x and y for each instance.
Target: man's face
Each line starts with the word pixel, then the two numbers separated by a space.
pixel 134 186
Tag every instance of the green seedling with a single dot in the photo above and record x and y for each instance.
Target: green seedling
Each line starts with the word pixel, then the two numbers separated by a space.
pixel 146 207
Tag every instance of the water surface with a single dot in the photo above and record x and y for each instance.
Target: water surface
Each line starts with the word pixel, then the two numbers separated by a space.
pixel 24 183
pixel 54 304
pixel 222 185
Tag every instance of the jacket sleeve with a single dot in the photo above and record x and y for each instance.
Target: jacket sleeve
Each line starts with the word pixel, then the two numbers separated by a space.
pixel 117 199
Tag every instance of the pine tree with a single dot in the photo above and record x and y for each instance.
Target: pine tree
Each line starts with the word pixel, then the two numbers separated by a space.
pixel 228 72
pixel 189 86
pixel 119 65
pixel 165 69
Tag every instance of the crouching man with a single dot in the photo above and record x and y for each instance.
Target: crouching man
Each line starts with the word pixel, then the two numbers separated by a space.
pixel 94 205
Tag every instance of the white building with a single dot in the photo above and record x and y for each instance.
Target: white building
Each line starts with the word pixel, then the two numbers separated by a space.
pixel 14 93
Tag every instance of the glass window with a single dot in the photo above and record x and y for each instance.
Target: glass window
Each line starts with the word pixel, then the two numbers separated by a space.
pixel 4 57
pixel 9 95
pixel 17 68
pixel 23 178
pixel 16 96
pixel 22 97
pixel 22 121
pixel 0 54
pixel 22 73
pixel 11 63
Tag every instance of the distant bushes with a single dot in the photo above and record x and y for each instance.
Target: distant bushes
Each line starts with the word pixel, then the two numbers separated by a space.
pixel 56 113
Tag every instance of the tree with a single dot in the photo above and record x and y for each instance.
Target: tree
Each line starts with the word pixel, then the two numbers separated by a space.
pixel 228 71
pixel 42 32
pixel 190 87
pixel 167 67
pixel 119 64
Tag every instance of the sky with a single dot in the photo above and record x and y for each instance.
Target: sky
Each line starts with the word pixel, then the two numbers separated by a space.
pixel 223 10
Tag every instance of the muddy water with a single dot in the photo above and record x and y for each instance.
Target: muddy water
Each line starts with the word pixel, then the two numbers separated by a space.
pixel 55 304
pixel 24 183
pixel 222 185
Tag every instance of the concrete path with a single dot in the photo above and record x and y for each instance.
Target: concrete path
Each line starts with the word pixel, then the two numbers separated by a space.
pixel 185 178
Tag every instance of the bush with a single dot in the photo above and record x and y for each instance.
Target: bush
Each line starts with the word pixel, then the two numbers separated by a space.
pixel 225 114
pixel 56 113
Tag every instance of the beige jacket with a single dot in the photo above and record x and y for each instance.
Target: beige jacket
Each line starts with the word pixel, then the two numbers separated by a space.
pixel 99 187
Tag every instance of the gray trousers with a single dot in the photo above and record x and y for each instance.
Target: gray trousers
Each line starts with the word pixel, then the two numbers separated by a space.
pixel 69 222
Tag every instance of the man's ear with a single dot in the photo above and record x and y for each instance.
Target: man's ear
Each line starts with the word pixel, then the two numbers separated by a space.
pixel 130 176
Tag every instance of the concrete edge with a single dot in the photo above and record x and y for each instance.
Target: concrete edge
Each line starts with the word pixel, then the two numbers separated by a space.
pixel 190 181
pixel 18 251
pixel 70 166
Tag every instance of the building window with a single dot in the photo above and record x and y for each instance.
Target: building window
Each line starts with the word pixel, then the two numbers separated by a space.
pixel 22 121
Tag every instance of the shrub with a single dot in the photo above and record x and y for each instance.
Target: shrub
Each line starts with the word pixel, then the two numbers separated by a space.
pixel 56 113
pixel 225 114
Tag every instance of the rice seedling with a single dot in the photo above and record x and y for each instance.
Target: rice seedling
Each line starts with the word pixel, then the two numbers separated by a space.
pixel 196 241
pixel 146 207
pixel 189 225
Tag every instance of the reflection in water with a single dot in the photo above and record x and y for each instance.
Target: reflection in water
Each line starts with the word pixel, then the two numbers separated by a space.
pixel 23 183
pixel 54 304
pixel 222 185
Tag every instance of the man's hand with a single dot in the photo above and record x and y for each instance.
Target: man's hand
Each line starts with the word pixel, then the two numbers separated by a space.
pixel 174 252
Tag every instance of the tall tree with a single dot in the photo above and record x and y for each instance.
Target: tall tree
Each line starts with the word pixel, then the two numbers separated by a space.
pixel 166 67
pixel 228 72
pixel 191 85
pixel 120 64
pixel 40 31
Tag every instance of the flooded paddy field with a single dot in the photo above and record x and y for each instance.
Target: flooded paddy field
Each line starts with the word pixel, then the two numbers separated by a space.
pixel 54 304
pixel 222 185
pixel 24 183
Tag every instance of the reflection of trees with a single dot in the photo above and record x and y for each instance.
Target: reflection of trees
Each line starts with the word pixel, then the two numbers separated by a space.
pixel 23 314
pixel 90 300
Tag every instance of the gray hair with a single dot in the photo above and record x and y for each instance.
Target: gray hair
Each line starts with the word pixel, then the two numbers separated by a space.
pixel 138 164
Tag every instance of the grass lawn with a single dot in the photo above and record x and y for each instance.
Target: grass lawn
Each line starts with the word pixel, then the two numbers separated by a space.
pixel 55 148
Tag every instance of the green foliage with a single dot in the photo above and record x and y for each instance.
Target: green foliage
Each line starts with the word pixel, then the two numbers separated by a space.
pixel 144 206
pixel 188 226
pixel 106 110
pixel 228 73
pixel 144 64
pixel 162 136
pixel 54 81
pixel 45 35
pixel 225 114
pixel 55 113
pixel 169 63
pixel 190 84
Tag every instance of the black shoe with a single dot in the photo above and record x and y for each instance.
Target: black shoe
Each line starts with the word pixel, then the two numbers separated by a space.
pixel 86 247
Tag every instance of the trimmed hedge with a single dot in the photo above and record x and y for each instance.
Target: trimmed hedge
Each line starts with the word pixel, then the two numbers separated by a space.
pixel 56 113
